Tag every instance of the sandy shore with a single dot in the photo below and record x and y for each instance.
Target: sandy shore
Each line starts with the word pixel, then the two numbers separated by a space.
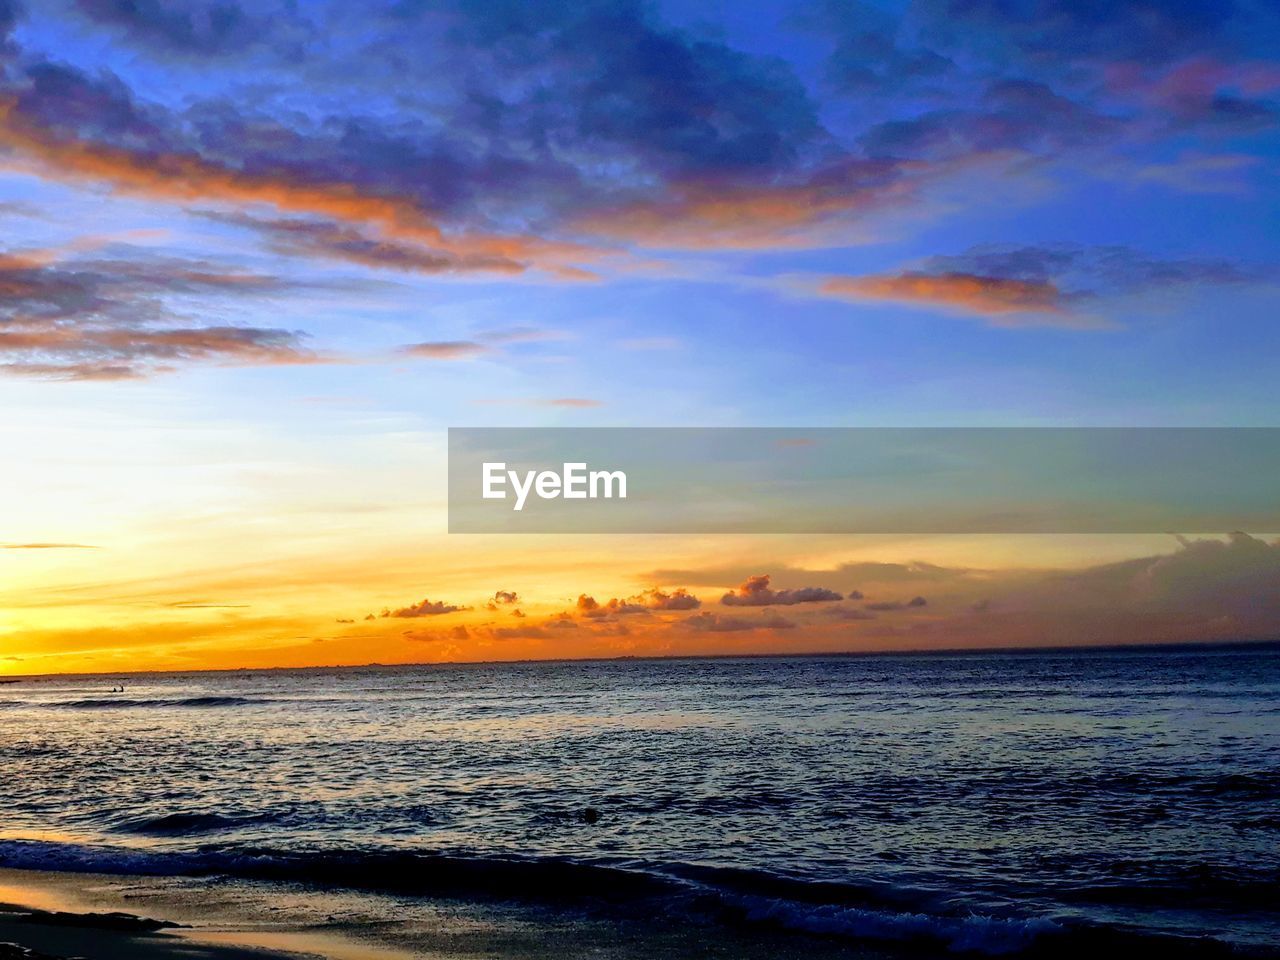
pixel 58 916
pixel 98 917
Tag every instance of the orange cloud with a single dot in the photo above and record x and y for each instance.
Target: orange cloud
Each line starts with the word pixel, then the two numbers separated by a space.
pixel 118 354
pixel 967 292
pixel 188 178
pixel 756 592
pixel 446 350
pixel 711 214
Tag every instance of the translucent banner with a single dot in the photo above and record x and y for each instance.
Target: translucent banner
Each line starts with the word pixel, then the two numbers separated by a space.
pixel 864 480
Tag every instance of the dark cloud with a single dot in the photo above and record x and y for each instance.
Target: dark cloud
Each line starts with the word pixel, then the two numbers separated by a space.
pixel 611 79
pixel 1012 115
pixel 10 13
pixel 202 28
pixel 756 592
pixel 870 61
pixel 206 27
pixel 77 318
pixel 503 598
pixel 888 605
pixel 464 136
pixel 424 608
pixel 963 78
pixel 1207 589
pixel 1149 31
pixel 540 113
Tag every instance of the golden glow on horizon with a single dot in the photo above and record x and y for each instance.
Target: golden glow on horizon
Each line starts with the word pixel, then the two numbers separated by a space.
pixel 155 533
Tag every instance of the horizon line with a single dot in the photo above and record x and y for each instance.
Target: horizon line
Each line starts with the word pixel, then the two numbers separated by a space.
pixel 1095 648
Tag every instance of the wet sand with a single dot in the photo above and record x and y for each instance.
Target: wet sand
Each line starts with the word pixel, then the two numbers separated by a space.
pixel 70 915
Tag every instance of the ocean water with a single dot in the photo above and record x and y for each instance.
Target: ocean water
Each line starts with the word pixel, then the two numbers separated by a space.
pixel 994 802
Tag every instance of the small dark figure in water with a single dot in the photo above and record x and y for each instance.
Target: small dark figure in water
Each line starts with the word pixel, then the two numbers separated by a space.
pixel 590 815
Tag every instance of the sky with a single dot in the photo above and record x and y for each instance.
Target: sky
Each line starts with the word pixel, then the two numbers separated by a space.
pixel 258 257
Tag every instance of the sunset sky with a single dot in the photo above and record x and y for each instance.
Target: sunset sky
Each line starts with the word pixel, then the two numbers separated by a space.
pixel 259 256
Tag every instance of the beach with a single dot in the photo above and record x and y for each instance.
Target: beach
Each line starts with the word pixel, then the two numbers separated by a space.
pixel 101 917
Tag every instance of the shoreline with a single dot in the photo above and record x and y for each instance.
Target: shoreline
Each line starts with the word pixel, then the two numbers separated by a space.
pixel 48 915
pixel 51 915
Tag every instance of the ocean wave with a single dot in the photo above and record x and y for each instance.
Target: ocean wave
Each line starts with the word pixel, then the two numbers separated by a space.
pixel 857 912
pixel 186 824
pixel 117 703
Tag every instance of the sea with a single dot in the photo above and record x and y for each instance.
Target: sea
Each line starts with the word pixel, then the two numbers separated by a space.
pixel 991 803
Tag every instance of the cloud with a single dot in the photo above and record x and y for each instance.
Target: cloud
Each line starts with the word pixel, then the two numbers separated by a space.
pixel 756 592
pixel 1207 589
pixel 1061 284
pixel 502 598
pixel 47 546
pixel 967 292
pixel 453 634
pixel 849 613
pixel 678 599
pixel 869 58
pixel 886 605
pixel 1204 173
pixel 1145 31
pixel 861 571
pixel 648 601
pixel 1203 92
pixel 1097 271
pixel 1012 116
pixel 195 28
pixel 492 343
pixel 424 608
pixel 526 120
pixel 72 128
pixel 310 237
pixel 516 335
pixel 127 354
pixel 446 350
pixel 63 316
pixel 468 138
pixel 810 208
pixel 720 623
pixel 518 633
